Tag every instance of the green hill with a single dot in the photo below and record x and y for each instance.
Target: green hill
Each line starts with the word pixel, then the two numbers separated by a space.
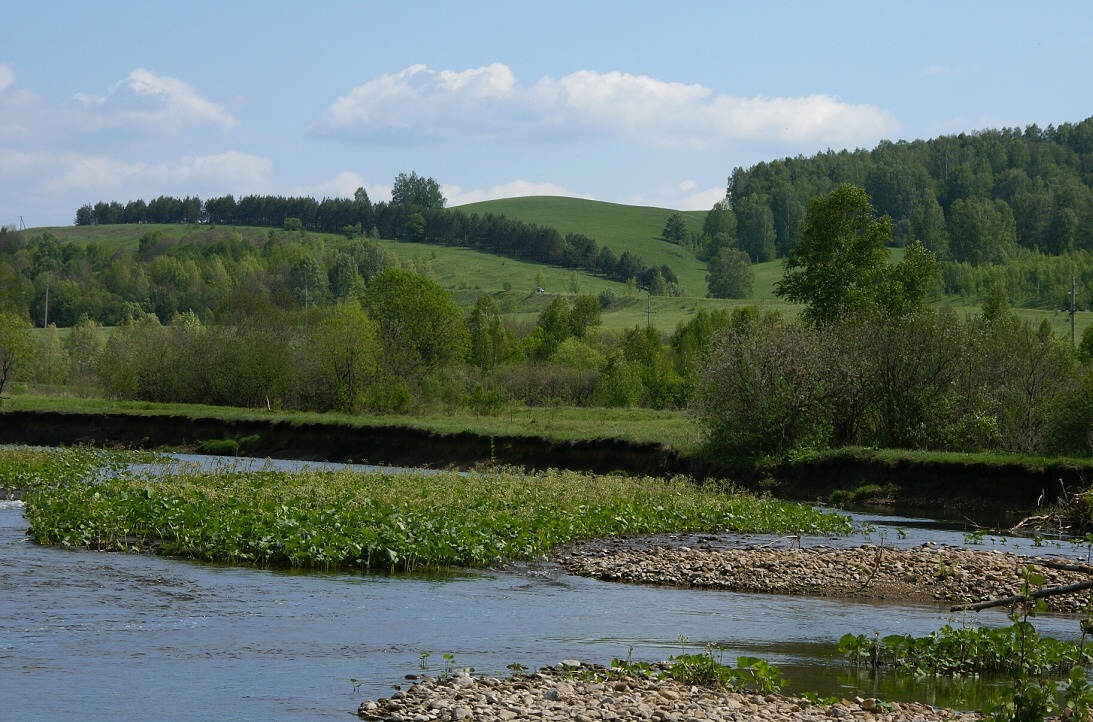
pixel 619 227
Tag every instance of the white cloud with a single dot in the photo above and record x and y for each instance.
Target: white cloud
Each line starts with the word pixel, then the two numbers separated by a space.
pixel 20 114
pixel 7 76
pixel 419 105
pixel 516 189
pixel 343 185
pixel 107 178
pixel 684 196
pixel 151 104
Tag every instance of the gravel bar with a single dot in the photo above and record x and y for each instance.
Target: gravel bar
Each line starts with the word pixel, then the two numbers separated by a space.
pixel 921 575
pixel 582 692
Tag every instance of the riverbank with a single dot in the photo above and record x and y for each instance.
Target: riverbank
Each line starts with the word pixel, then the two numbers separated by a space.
pixel 926 574
pixel 575 691
pixel 970 481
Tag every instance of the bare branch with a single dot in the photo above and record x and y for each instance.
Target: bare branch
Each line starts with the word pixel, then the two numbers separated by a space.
pixel 1038 594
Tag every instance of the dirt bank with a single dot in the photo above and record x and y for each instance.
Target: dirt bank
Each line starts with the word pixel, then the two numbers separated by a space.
pixel 387 445
pixel 972 484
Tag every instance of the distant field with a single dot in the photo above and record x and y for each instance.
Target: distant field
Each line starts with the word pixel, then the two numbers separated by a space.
pixel 469 273
pixel 621 228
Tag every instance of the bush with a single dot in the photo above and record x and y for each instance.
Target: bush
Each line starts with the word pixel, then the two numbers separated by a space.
pixel 548 385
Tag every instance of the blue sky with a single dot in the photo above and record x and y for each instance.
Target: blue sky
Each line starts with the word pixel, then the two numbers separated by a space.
pixel 628 102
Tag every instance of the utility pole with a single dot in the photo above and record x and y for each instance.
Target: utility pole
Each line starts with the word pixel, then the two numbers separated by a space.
pixel 1073 309
pixel 45 317
pixel 649 312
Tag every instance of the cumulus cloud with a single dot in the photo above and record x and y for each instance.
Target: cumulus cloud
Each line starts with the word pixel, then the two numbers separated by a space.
pixel 104 176
pixel 683 196
pixel 343 185
pixel 152 104
pixel 7 76
pixel 419 104
pixel 516 189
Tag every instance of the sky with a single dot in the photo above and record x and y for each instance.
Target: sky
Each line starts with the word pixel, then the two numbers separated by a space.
pixel 628 102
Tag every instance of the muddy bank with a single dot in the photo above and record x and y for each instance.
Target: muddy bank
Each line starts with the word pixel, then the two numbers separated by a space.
pixel 384 445
pixel 926 574
pixel 575 691
pixel 1011 487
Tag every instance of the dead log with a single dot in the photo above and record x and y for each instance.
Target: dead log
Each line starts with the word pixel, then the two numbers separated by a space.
pixel 1017 599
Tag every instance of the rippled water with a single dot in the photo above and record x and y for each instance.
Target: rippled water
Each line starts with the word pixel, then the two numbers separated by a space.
pixel 99 635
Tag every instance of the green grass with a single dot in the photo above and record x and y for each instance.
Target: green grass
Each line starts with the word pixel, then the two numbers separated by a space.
pixel 895 456
pixel 620 227
pixel 381 520
pixel 671 428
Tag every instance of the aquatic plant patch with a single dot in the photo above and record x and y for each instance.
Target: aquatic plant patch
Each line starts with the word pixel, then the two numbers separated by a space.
pixel 389 520
pixel 23 468
pixel 968 650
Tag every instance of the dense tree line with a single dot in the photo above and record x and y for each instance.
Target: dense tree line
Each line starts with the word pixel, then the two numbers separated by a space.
pixel 397 342
pixel 416 212
pixel 212 272
pixel 977 201
pixel 972 197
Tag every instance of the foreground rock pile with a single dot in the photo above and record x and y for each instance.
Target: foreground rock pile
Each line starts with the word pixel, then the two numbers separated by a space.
pixel 572 691
pixel 923 574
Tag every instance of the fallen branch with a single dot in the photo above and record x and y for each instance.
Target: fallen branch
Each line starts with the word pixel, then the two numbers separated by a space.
pixel 1064 566
pixel 1017 599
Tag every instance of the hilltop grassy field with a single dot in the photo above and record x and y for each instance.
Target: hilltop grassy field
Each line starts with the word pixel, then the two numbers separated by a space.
pixel 620 227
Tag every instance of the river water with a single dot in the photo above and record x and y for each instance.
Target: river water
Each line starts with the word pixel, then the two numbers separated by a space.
pixel 131 637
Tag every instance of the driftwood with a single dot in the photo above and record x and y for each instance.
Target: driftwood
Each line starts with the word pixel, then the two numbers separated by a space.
pixel 1017 599
pixel 1039 593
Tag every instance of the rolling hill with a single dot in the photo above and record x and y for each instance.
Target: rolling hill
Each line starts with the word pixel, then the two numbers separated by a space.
pixel 619 227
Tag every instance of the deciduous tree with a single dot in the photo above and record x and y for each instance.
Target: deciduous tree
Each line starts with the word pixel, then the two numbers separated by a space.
pixel 417 192
pixel 841 259
pixel 730 274
pixel 16 346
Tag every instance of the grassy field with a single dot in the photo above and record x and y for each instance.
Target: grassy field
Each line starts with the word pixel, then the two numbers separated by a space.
pixel 620 227
pixel 672 428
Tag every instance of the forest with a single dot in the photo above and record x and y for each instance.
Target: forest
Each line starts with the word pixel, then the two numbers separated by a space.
pixel 1011 206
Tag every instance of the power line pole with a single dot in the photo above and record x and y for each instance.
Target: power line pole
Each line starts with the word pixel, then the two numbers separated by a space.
pixel 1073 309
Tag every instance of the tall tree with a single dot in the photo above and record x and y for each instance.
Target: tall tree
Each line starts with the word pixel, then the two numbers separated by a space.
pixel 841 257
pixel 981 230
pixel 420 326
pixel 675 229
pixel 755 234
pixel 16 346
pixel 345 356
pixel 417 192
pixel 730 274
pixel 491 343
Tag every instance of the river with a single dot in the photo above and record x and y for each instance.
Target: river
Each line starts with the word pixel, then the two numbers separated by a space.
pixel 131 637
